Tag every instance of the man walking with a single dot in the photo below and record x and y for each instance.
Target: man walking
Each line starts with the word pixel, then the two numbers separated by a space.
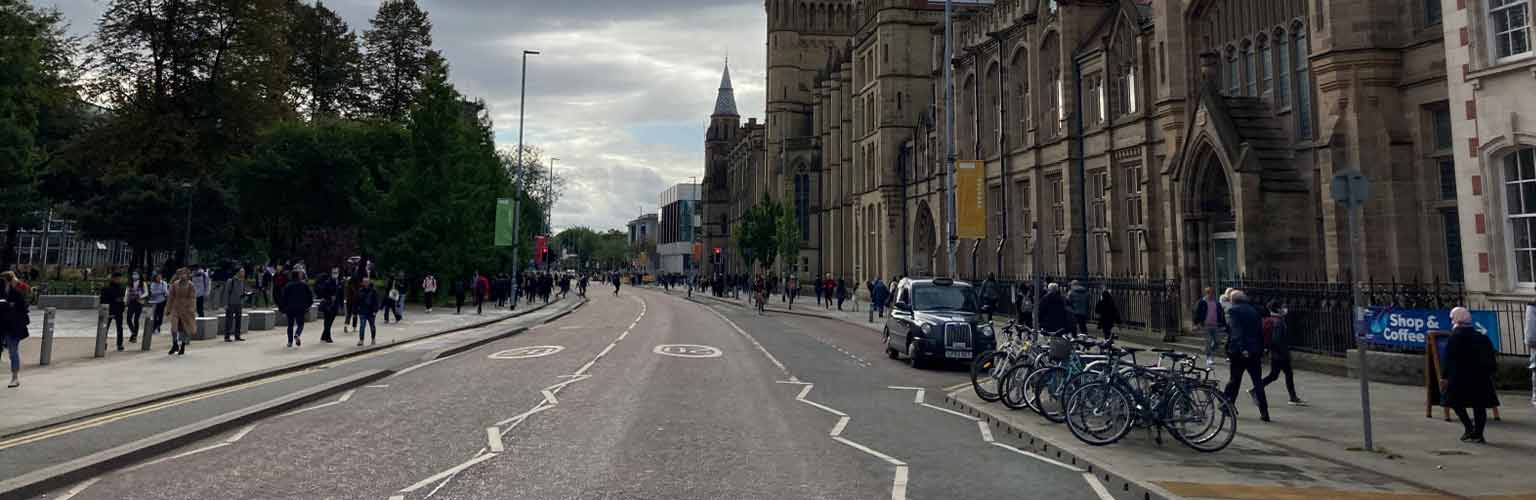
pixel 297 298
pixel 989 294
pixel 482 290
pixel 792 289
pixel 234 298
pixel 429 290
pixel 458 296
pixel 1210 317
pixel 1081 302
pixel 137 291
pixel 201 283
pixel 1244 346
pixel 159 291
pixel 112 297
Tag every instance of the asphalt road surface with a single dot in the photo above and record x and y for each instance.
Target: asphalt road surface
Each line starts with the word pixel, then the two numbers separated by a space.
pixel 643 395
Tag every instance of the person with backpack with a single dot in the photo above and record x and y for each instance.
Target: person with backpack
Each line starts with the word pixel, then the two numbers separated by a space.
pixel 1077 300
pixel 1278 342
pixel 429 290
pixel 1244 347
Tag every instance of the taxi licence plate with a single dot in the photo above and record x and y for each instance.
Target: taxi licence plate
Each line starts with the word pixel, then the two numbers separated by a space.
pixel 957 354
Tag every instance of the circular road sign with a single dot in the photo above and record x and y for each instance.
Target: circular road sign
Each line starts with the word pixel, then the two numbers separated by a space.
pixel 527 352
pixel 687 351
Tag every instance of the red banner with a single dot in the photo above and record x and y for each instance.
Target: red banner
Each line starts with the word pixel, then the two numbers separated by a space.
pixel 540 247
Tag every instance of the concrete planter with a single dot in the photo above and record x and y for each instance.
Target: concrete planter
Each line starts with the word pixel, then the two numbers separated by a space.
pixel 207 327
pixel 262 320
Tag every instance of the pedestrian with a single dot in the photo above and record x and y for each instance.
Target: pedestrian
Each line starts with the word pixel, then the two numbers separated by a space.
pixel 392 303
pixel 112 297
pixel 138 290
pixel 1055 318
pixel 829 290
pixel 1466 378
pixel 990 293
pixel 329 291
pixel 1024 302
pixel 279 282
pixel 878 295
pixel 792 289
pixel 234 297
pixel 458 296
pixel 159 292
pixel 1078 299
pixel 14 318
pixel 1530 344
pixel 297 299
pixel 429 290
pixel 482 292
pixel 1277 340
pixel 367 305
pixel 263 283
pixel 1245 345
pixel 1211 317
pixel 183 306
pixel 816 285
pixel 1109 315
pixel 616 282
pixel 350 290
pixel 202 285
pixel 842 292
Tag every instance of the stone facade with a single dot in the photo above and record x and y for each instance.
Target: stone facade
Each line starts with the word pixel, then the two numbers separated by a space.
pixel 1489 150
pixel 1181 138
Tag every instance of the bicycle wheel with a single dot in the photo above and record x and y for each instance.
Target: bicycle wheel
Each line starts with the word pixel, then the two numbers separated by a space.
pixel 1045 393
pixel 1012 388
pixel 1101 413
pixel 1201 418
pixel 985 371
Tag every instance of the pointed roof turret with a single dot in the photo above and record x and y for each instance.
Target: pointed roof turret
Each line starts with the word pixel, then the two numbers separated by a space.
pixel 725 102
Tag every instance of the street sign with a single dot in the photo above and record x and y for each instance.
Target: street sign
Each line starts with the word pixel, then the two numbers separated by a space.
pixel 1350 187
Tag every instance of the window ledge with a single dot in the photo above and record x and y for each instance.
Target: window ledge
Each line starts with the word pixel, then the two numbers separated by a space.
pixel 1516 63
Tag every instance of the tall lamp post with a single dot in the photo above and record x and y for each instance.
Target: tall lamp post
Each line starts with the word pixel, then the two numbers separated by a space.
pixel 186 249
pixel 517 183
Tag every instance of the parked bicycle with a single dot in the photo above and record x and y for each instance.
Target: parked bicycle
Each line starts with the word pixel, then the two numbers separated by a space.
pixel 1180 399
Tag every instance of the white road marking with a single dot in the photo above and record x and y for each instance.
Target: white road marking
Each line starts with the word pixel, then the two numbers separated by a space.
pixel 416 367
pixel 793 382
pixel 1039 457
pixel 887 458
pixel 378 386
pixel 688 351
pixel 241 434
pixel 622 335
pixel 397 497
pixel 605 351
pixel 572 327
pixel 537 351
pixel 899 486
pixel 526 414
pixel 751 339
pixel 346 396
pixel 986 432
pixel 454 470
pixel 77 488
pixel 493 440
pixel 309 409
pixel 837 430
pixel 916 398
pixel 953 412
pixel 1098 487
pixel 549 397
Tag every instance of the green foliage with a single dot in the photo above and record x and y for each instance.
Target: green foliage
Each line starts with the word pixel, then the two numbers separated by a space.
pixel 756 237
pixel 327 64
pixel 36 99
pixel 787 236
pixel 399 46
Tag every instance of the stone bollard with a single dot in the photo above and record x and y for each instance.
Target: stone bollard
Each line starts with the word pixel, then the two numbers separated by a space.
pixel 145 330
pixel 101 331
pixel 45 352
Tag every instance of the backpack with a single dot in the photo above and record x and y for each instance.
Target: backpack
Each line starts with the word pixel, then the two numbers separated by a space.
pixel 1271 324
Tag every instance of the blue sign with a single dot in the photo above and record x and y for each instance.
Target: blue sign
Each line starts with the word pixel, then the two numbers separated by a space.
pixel 1410 327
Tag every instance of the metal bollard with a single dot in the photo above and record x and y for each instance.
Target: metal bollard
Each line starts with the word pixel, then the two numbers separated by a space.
pixel 45 353
pixel 101 331
pixel 145 328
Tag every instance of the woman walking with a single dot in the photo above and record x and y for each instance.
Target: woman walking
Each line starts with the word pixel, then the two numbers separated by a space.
pixel 1109 315
pixel 429 290
pixel 159 292
pixel 367 304
pixel 1278 341
pixel 183 306
pixel 1467 377
pixel 13 322
pixel 138 290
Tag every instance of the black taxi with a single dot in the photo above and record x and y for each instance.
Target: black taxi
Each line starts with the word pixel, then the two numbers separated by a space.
pixel 936 319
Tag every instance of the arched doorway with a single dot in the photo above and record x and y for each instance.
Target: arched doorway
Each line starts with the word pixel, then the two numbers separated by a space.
pixel 923 240
pixel 1213 225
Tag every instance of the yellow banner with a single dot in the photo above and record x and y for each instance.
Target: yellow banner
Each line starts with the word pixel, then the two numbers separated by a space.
pixel 971 199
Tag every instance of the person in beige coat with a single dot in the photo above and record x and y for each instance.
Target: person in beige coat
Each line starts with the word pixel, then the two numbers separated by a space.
pixel 183 306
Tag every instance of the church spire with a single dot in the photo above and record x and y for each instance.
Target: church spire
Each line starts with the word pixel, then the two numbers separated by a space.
pixel 725 102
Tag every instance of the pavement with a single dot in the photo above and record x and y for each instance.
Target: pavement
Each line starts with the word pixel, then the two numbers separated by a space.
pixel 80 383
pixel 1312 451
pixel 641 395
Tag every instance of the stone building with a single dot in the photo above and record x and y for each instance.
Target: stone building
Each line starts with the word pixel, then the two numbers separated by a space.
pixel 1181 138
pixel 1486 144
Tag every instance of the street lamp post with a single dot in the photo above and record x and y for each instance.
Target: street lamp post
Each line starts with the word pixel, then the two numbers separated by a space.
pixel 186 249
pixel 549 194
pixel 517 183
pixel 949 136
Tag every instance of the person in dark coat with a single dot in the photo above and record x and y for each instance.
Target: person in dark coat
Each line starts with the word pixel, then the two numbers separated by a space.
pixel 13 322
pixel 1054 315
pixel 331 298
pixel 367 305
pixel 296 300
pixel 1108 313
pixel 1245 346
pixel 842 292
pixel 1467 375
pixel 112 296
pixel 1279 346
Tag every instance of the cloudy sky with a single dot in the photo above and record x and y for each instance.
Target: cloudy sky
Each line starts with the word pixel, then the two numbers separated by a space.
pixel 621 94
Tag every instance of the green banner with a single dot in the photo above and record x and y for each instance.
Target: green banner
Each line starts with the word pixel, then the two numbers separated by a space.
pixel 503 222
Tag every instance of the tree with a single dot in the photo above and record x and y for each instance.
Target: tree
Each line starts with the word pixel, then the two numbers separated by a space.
pixel 543 185
pixel 398 48
pixel 36 98
pixel 756 236
pixel 788 236
pixel 327 64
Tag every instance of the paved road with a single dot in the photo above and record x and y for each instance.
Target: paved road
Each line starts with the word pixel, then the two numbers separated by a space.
pixel 596 405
